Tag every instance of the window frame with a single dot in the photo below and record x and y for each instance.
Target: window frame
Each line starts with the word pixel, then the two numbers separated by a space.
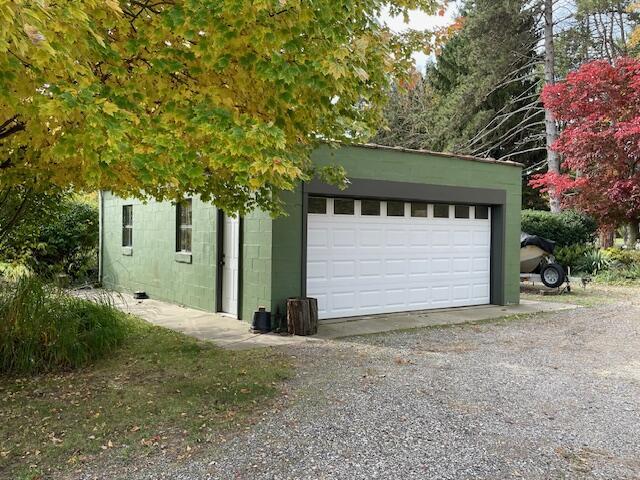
pixel 372 201
pixel 399 203
pixel 180 227
pixel 462 217
pixel 339 199
pixel 418 207
pixel 445 205
pixel 314 197
pixel 127 227
pixel 485 208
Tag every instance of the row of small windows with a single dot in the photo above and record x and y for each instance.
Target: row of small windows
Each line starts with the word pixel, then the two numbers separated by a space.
pixel 184 223
pixel 346 206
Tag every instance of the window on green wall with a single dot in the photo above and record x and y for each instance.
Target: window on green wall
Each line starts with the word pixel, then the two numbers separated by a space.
pixel 183 226
pixel 127 225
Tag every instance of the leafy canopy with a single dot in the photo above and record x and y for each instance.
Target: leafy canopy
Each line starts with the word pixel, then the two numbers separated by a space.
pixel 222 98
pixel 600 107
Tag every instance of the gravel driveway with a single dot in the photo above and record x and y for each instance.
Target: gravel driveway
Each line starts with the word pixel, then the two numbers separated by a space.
pixel 549 396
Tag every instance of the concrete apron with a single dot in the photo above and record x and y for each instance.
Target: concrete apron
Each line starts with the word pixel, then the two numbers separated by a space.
pixel 230 333
pixel 348 327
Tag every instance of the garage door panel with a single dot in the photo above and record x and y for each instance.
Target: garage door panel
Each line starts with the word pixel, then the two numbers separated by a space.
pixel 440 238
pixel 359 265
pixel 343 237
pixel 440 265
pixel 370 298
pixel 419 297
pixel 396 238
pixel 440 293
pixel 418 267
pixel 462 265
pixel 480 291
pixel 317 270
pixel 395 297
pixel 322 305
pixel 371 269
pixel 419 238
pixel 462 238
pixel 461 292
pixel 344 270
pixel 342 301
pixel 481 264
pixel 368 237
pixel 481 238
pixel 395 268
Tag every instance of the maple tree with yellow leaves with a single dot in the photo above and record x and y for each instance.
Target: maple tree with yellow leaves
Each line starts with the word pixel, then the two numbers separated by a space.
pixel 165 98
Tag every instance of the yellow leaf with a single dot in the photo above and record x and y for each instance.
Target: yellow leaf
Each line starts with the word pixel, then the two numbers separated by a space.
pixel 109 108
pixel 114 5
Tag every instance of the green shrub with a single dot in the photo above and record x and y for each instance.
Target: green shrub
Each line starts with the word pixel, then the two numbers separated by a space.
pixel 620 274
pixel 43 328
pixel 623 257
pixel 565 228
pixel 594 262
pixel 573 255
pixel 13 271
pixel 65 241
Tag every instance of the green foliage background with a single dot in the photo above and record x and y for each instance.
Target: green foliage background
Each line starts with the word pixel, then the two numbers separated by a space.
pixel 566 228
pixel 60 236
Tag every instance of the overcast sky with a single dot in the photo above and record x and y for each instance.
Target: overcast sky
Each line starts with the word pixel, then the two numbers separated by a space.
pixel 419 21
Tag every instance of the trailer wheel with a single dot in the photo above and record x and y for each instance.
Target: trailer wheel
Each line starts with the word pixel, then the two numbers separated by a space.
pixel 552 275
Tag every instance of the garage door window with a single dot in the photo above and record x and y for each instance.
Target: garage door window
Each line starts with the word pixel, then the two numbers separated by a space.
pixel 441 211
pixel 482 212
pixel 462 211
pixel 419 209
pixel 343 206
pixel 317 205
pixel 395 209
pixel 370 207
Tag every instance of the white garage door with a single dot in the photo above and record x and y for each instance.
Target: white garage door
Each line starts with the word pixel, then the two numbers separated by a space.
pixel 368 256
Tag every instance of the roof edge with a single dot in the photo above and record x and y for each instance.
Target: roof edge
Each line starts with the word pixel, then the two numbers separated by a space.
pixel 375 146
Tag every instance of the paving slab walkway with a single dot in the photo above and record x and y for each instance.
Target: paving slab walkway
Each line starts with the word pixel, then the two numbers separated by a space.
pixel 228 332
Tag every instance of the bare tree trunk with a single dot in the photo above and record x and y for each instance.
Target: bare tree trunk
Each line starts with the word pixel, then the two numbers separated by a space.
pixel 623 35
pixel 553 159
pixel 632 234
pixel 607 236
pixel 13 218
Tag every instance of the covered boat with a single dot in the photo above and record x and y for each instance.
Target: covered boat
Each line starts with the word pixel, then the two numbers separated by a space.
pixel 533 250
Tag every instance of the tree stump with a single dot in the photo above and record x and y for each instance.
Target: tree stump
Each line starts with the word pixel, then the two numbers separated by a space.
pixel 302 316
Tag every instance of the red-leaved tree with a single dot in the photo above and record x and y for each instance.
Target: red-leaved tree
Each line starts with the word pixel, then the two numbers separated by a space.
pixel 599 108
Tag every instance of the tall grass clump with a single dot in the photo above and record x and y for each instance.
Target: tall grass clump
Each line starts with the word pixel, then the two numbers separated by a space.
pixel 43 328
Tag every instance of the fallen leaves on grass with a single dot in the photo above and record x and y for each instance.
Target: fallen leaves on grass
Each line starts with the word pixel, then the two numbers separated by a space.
pixel 162 390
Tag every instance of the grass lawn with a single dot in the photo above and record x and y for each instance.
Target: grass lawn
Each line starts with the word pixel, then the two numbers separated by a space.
pixel 161 391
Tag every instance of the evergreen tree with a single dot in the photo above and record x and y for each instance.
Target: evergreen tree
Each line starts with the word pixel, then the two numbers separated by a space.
pixel 481 96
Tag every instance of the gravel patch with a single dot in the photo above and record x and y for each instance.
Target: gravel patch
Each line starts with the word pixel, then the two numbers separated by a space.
pixel 548 396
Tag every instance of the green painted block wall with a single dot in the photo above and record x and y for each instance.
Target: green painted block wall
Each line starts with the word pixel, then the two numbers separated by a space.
pixel 153 267
pixel 256 264
pixel 399 166
pixel 287 253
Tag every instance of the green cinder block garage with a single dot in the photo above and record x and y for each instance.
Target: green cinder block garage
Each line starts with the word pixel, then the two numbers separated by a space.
pixel 414 231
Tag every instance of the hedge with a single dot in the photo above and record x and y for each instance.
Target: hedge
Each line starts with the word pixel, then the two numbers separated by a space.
pixel 566 228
